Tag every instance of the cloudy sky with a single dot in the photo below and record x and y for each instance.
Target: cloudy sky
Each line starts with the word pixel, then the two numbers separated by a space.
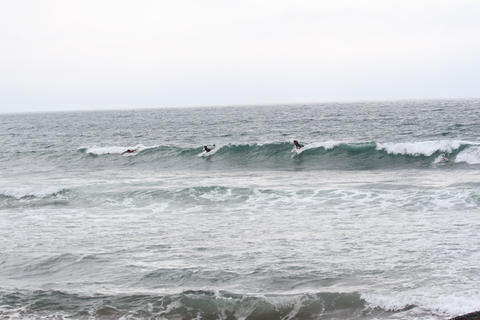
pixel 94 54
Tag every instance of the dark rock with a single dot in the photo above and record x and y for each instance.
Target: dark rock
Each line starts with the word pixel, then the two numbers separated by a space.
pixel 468 316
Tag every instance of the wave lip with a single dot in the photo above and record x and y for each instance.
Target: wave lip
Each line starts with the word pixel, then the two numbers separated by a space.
pixel 426 148
pixel 95 150
pixel 470 156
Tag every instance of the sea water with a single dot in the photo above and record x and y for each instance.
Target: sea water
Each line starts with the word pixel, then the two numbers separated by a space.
pixel 377 217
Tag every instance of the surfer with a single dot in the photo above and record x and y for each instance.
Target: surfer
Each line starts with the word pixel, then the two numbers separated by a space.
pixel 297 145
pixel 442 159
pixel 129 151
pixel 207 149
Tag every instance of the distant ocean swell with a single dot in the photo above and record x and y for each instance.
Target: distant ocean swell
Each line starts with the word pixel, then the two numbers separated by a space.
pixel 189 304
pixel 321 155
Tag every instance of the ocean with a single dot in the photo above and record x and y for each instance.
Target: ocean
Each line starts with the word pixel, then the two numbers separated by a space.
pixel 376 217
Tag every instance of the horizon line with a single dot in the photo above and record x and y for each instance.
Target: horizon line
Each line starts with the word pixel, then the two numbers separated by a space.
pixel 271 104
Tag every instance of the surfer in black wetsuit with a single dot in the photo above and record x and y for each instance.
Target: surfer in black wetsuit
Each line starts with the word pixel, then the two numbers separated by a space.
pixel 207 149
pixel 129 151
pixel 297 145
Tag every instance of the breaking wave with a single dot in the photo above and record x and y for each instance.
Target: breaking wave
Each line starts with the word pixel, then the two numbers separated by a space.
pixel 316 155
pixel 189 304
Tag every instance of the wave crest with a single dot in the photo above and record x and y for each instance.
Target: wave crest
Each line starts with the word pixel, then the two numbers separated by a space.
pixel 316 155
pixel 425 148
pixel 470 156
pixel 95 150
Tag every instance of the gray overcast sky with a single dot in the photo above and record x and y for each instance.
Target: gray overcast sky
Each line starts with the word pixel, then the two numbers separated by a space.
pixel 94 54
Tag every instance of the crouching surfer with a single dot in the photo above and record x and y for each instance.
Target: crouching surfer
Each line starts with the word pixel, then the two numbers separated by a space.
pixel 297 145
pixel 207 149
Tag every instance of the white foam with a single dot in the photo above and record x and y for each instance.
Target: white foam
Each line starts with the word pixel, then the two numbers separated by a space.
pixel 20 313
pixel 438 303
pixel 426 148
pixel 470 155
pixel 30 190
pixel 115 149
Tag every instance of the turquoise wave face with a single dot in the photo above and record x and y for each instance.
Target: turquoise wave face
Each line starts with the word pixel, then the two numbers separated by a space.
pixel 356 136
pixel 328 155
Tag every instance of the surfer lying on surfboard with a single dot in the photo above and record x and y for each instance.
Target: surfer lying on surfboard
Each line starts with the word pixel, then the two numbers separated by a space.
pixel 297 145
pixel 129 151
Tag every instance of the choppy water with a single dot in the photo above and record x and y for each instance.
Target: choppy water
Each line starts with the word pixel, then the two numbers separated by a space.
pixel 377 217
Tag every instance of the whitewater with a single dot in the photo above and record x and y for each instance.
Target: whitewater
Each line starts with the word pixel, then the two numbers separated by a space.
pixel 376 217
